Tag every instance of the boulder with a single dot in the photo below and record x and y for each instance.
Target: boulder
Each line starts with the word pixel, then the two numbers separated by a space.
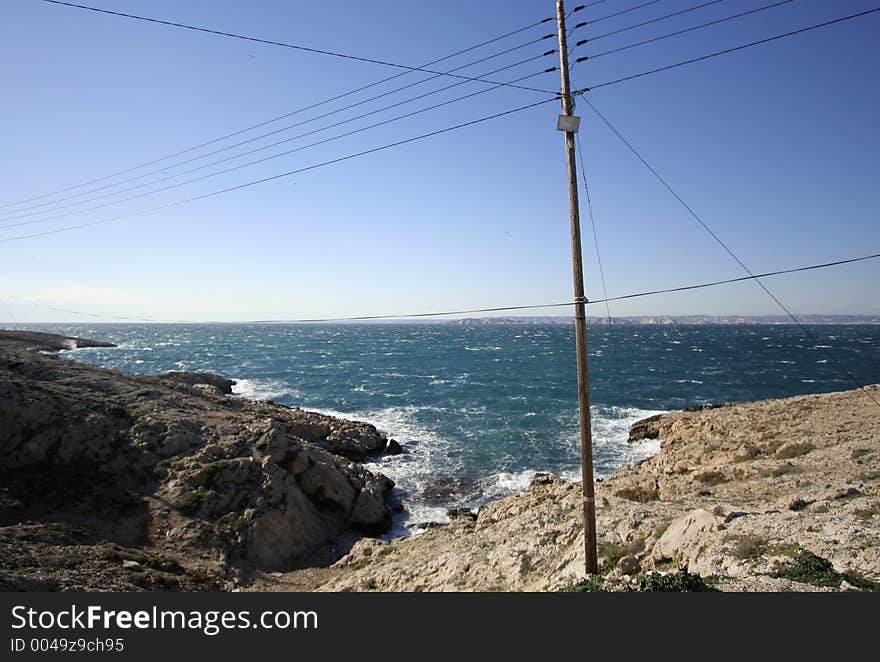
pixel 222 384
pixel 684 536
pixel 647 428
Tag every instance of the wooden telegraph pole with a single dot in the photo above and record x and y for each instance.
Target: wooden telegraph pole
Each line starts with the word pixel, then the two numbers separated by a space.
pixel 569 124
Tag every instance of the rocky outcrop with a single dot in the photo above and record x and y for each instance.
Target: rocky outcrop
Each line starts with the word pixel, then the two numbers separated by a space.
pixel 778 495
pixel 222 384
pixel 46 342
pixel 647 428
pixel 192 486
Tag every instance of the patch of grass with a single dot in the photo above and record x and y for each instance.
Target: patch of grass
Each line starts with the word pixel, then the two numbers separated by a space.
pixel 592 584
pixel 611 553
pixel 870 476
pixel 749 453
pixel 809 568
pixel 680 582
pixel 773 445
pixel 794 450
pixel 190 502
pixel 786 469
pixel 867 514
pixel 860 452
pixel 747 546
pixel 711 477
pixel 639 493
pixel 210 471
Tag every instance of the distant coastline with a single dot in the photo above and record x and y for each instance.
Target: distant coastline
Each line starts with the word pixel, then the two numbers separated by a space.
pixel 725 320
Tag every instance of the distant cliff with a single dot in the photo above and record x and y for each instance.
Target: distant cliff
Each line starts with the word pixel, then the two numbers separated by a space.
pixel 679 319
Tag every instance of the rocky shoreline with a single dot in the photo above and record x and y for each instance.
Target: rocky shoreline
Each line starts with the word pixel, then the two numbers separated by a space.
pixel 115 481
pixel 776 495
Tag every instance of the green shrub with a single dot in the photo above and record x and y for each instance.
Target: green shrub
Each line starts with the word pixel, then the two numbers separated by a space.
pixel 681 582
pixel 808 568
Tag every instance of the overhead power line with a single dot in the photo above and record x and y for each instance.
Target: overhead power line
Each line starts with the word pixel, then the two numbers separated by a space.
pixel 593 224
pixel 679 32
pixel 729 50
pixel 15 216
pixel 599 19
pixel 723 245
pixel 581 43
pixel 283 174
pixel 656 20
pixel 269 42
pixel 279 117
pixel 636 295
pixel 257 161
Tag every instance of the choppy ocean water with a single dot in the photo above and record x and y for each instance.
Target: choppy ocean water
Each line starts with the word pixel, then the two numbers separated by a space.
pixel 480 408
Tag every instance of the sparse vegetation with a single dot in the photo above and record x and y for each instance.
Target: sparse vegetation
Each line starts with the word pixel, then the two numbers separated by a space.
pixel 746 547
pixel 611 553
pixel 748 453
pixel 868 513
pixel 639 493
pixel 809 568
pixel 794 450
pixel 592 584
pixel 210 471
pixel 681 582
pixel 711 477
pixel 190 502
pixel 786 469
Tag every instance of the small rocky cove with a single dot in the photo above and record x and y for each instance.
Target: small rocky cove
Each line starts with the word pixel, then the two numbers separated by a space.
pixel 115 481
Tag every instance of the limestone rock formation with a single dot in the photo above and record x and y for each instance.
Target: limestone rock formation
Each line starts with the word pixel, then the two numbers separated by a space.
pixel 110 466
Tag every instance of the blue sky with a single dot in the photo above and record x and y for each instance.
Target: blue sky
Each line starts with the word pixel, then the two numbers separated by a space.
pixel 775 147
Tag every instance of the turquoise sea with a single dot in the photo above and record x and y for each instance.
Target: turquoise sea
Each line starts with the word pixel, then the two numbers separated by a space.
pixel 480 408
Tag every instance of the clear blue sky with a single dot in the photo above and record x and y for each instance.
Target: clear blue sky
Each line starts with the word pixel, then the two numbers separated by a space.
pixel 775 146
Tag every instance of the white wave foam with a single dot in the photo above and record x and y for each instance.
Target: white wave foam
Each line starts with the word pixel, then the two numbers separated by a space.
pixel 262 389
pixel 506 483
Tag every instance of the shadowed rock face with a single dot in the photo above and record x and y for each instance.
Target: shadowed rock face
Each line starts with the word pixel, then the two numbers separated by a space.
pixel 186 486
pixel 222 384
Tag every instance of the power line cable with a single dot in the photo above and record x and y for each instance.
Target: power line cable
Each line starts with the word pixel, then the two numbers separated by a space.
pixel 680 32
pixel 623 297
pixel 721 242
pixel 594 301
pixel 582 24
pixel 17 216
pixel 17 213
pixel 741 279
pixel 8 311
pixel 580 43
pixel 254 162
pixel 727 50
pixel 617 13
pixel 593 224
pixel 283 174
pixel 281 117
pixel 278 43
pixel 655 20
